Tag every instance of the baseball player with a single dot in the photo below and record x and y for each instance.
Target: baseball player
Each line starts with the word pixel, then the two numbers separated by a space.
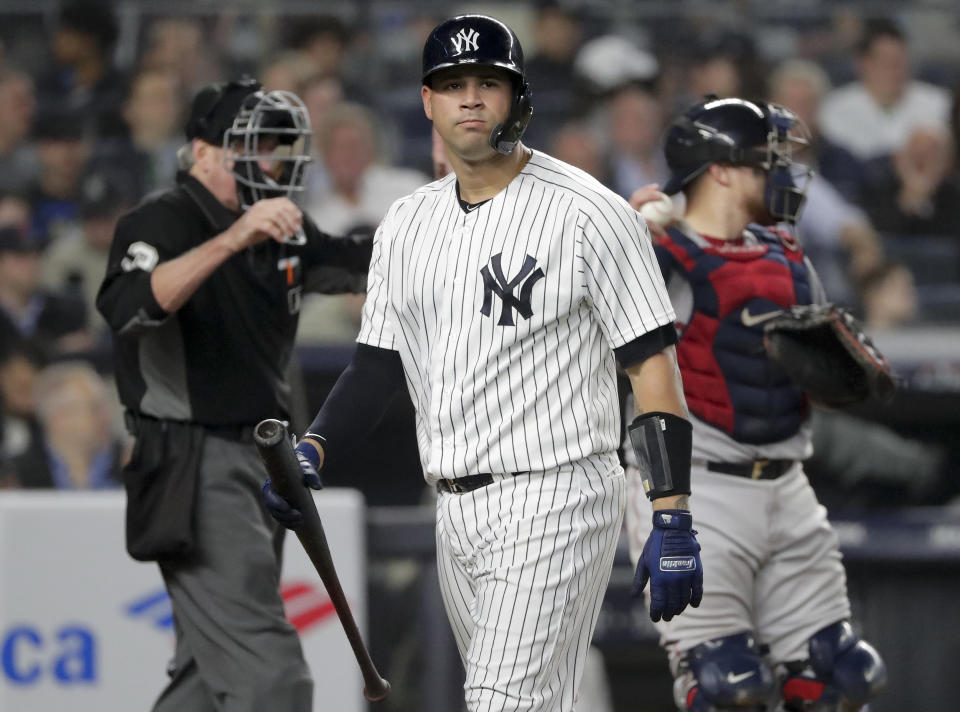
pixel 203 293
pixel 500 296
pixel 773 630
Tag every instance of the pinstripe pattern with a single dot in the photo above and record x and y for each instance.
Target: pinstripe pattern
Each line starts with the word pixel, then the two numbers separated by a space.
pixel 524 564
pixel 540 393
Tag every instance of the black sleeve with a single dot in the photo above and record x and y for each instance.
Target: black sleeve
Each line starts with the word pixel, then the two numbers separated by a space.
pixel 336 264
pixel 358 400
pixel 643 347
pixel 143 239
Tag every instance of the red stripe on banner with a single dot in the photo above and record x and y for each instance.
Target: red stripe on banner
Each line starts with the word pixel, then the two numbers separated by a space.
pixel 312 616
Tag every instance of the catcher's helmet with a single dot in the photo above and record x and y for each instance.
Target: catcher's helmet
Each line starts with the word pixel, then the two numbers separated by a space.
pixel 268 146
pixel 482 40
pixel 738 132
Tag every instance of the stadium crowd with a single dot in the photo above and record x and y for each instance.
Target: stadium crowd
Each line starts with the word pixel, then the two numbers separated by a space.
pixel 91 119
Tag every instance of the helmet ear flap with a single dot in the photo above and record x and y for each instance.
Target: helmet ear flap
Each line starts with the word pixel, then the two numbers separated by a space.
pixel 504 137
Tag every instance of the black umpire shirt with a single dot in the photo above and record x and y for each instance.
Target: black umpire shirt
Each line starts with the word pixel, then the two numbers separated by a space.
pixel 220 359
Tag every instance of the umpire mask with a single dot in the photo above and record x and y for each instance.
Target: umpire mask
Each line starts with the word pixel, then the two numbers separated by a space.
pixel 268 146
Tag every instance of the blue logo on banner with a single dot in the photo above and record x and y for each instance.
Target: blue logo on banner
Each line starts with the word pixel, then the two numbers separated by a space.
pixel 70 656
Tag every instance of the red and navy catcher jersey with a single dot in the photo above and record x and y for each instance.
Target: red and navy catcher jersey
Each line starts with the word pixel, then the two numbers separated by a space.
pixel 737 286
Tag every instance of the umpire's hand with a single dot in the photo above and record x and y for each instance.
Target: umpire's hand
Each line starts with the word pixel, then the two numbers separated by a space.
pixel 671 562
pixel 309 458
pixel 269 219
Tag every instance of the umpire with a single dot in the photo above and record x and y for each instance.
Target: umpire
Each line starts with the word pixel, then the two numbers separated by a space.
pixel 203 293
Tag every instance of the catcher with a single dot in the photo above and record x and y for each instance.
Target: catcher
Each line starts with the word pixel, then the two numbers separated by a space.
pixel 757 344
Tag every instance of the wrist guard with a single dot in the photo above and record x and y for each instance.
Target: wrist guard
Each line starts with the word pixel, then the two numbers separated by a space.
pixel 662 443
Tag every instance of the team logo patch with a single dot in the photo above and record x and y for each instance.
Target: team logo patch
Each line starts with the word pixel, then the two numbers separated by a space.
pixel 497 283
pixel 140 255
pixel 465 41
pixel 678 563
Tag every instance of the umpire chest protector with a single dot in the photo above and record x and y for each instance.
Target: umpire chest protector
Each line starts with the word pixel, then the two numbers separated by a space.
pixel 728 380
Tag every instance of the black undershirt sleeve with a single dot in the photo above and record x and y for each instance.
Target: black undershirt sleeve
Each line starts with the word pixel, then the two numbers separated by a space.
pixel 645 346
pixel 358 400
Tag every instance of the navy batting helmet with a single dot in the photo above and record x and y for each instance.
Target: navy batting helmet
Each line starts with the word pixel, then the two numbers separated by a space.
pixel 739 132
pixel 483 40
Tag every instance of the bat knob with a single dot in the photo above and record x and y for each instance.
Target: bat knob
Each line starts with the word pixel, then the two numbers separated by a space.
pixel 269 432
pixel 376 695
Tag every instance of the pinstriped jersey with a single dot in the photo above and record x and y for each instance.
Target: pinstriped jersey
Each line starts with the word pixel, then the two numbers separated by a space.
pixel 505 317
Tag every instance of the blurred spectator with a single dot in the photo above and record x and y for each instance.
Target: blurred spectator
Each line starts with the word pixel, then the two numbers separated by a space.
pixel 62 151
pixel 20 364
pixel 636 127
pixel 18 161
pixel 576 144
pixel 913 195
pixel 286 71
pixel 15 211
pixel 875 115
pixel 181 45
pixel 610 62
pixel 557 32
pixel 81 449
pixel 724 63
pixel 76 263
pixel 361 188
pixel 153 112
pixel 955 128
pixel 82 78
pixel 836 235
pixel 319 93
pixel 888 296
pixel 57 323
pixel 360 192
pixel 323 39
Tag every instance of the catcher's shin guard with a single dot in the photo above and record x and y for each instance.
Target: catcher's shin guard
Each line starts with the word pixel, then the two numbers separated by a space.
pixel 842 674
pixel 730 674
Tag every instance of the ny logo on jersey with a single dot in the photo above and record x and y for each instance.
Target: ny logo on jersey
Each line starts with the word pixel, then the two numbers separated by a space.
pixel 465 40
pixel 498 284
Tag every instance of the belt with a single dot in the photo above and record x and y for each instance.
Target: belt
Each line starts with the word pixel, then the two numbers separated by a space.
pixel 237 433
pixel 469 483
pixel 756 470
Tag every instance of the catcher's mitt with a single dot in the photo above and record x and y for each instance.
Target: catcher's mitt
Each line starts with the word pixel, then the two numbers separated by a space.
pixel 822 348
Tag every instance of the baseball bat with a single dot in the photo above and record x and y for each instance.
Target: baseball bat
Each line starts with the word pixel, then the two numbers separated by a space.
pixel 276 451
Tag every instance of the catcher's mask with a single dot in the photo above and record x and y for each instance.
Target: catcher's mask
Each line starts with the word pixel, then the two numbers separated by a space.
pixel 485 41
pixel 743 133
pixel 268 146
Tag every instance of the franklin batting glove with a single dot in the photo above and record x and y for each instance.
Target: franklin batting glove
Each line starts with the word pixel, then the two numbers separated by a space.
pixel 278 507
pixel 309 460
pixel 671 562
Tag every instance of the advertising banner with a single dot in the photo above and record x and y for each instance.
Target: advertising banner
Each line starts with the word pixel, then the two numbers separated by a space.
pixel 85 628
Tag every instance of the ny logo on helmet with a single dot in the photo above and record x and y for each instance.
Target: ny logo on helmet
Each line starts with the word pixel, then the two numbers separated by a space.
pixel 465 40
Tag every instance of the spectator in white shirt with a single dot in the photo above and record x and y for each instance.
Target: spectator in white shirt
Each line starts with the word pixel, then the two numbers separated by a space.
pixel 874 116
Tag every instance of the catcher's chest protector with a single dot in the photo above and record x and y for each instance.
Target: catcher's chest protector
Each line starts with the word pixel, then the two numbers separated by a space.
pixel 728 380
